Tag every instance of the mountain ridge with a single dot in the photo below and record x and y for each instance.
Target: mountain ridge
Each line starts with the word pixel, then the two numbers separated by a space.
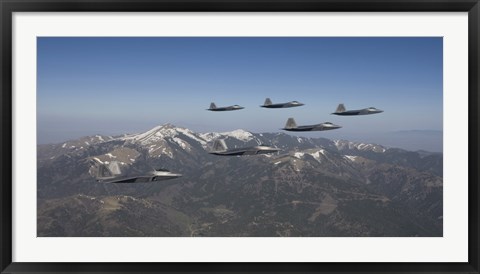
pixel 311 188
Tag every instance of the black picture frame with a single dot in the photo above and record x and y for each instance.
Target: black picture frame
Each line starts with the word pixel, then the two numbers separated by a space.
pixel 8 7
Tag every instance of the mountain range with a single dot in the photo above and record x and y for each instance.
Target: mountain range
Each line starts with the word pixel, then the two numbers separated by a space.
pixel 313 187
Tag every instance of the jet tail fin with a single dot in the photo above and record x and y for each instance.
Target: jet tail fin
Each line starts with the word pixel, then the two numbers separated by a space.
pixel 340 108
pixel 212 105
pixel 290 123
pixel 105 171
pixel 219 145
pixel 114 168
pixel 268 102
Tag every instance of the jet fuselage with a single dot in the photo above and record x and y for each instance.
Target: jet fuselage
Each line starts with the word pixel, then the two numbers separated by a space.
pixel 246 151
pixel 364 111
pixel 236 107
pixel 283 105
pixel 318 127
pixel 142 178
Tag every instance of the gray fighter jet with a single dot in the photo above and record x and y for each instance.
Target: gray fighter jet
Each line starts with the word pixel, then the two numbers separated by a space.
pixel 213 107
pixel 220 148
pixel 342 111
pixel 292 126
pixel 111 174
pixel 268 104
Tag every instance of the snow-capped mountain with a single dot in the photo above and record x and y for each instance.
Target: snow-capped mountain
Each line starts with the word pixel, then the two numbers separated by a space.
pixel 346 145
pixel 162 133
pixel 323 183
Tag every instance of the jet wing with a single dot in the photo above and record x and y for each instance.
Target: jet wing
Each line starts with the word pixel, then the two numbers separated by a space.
pixel 123 180
pixel 130 180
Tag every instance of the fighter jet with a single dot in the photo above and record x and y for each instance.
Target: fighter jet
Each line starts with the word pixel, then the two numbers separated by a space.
pixel 342 111
pixel 268 104
pixel 292 126
pixel 213 107
pixel 220 148
pixel 111 174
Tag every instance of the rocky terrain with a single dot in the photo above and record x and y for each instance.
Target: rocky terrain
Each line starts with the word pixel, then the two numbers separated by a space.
pixel 313 187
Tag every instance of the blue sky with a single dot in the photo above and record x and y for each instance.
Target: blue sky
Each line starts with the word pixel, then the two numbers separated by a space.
pixel 111 86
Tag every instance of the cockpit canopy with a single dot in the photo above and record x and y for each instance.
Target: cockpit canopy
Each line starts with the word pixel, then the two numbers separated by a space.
pixel 162 169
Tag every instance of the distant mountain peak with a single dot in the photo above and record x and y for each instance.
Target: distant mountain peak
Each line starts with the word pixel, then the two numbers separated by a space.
pixel 346 145
pixel 240 134
pixel 155 134
pixel 168 126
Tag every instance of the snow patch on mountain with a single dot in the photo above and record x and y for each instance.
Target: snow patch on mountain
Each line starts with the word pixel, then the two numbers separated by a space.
pixel 152 135
pixel 155 151
pixel 344 145
pixel 298 155
pixel 210 136
pixel 239 134
pixel 120 154
pixel 351 158
pixel 182 143
pixel 161 133
pixel 316 154
pixel 191 135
